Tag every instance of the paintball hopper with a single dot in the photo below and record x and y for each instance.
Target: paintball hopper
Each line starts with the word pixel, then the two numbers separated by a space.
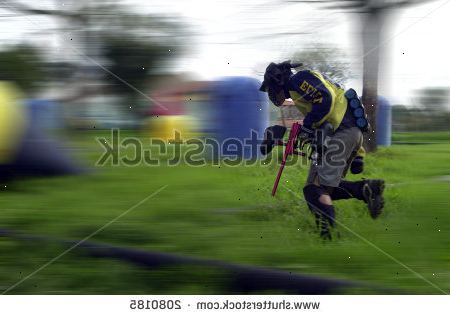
pixel 272 136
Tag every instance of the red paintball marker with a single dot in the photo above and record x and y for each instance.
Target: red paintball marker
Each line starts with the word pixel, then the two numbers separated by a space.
pixel 273 136
pixel 291 148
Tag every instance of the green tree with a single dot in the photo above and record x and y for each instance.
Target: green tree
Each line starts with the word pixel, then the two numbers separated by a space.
pixel 113 42
pixel 326 59
pixel 22 65
pixel 374 15
pixel 434 99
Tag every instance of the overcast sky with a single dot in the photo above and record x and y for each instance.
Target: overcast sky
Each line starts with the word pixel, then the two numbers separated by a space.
pixel 241 37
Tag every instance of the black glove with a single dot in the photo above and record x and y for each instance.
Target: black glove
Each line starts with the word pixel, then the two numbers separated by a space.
pixel 272 135
pixel 357 165
pixel 305 136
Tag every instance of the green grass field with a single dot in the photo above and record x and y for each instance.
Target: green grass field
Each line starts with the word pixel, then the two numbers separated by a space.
pixel 418 137
pixel 227 213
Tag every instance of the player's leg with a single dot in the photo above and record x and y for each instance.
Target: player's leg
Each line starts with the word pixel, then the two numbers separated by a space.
pixel 368 190
pixel 319 202
pixel 325 176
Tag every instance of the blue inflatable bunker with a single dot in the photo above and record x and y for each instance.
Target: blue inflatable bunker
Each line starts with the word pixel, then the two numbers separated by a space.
pixel 25 149
pixel 241 114
pixel 384 122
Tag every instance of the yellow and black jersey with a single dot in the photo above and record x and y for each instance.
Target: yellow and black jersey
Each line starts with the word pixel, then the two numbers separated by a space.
pixel 318 98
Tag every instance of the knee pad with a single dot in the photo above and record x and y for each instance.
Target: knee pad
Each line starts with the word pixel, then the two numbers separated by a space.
pixel 312 194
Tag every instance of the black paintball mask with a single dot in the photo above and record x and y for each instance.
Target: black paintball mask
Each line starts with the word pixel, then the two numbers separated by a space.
pixel 275 79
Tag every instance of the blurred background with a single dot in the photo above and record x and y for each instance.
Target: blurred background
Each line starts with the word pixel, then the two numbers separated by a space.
pixel 72 70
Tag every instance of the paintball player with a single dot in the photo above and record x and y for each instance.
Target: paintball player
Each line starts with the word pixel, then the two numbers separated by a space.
pixel 336 119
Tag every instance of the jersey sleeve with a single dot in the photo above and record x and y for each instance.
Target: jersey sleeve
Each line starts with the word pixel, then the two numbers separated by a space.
pixel 312 90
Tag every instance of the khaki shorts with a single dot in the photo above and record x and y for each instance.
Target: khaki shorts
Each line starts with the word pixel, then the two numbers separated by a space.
pixel 342 147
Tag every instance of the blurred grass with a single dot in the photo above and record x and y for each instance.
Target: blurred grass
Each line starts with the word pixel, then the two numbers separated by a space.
pixel 227 213
pixel 443 136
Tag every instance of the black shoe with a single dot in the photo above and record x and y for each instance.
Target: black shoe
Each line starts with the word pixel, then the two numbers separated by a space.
pixel 372 191
pixel 325 235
